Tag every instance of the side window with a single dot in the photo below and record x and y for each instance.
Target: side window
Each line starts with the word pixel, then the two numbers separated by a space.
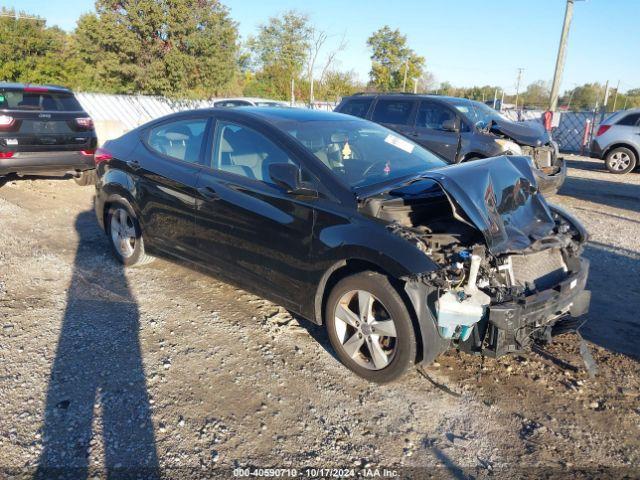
pixel 433 115
pixel 631 120
pixel 181 140
pixel 396 112
pixel 243 151
pixel 357 107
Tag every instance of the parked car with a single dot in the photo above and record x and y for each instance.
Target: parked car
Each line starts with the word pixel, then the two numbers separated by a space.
pixel 247 102
pixel 44 131
pixel 459 130
pixel 349 225
pixel 617 141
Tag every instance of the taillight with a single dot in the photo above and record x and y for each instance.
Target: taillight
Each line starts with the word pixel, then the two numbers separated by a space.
pixel 602 129
pixel 29 89
pixel 6 122
pixel 6 154
pixel 84 123
pixel 101 155
pixel 88 153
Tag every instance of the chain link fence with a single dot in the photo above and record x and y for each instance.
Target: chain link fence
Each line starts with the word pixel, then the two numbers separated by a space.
pixel 573 133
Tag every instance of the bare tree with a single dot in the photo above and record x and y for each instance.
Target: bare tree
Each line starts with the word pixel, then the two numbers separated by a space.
pixel 317 41
pixel 318 38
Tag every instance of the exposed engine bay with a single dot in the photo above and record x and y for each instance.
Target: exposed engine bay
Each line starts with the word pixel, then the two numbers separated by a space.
pixel 501 257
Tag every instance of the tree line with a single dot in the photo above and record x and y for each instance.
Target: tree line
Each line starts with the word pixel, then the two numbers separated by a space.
pixel 191 49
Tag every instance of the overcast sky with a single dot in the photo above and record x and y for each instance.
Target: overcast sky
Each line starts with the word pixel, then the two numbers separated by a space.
pixel 465 42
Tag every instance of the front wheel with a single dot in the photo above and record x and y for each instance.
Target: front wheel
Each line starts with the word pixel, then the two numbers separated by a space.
pixel 125 236
pixel 620 160
pixel 370 327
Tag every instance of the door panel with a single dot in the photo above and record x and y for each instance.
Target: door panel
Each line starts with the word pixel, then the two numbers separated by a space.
pixel 429 133
pixel 254 233
pixel 247 227
pixel 167 164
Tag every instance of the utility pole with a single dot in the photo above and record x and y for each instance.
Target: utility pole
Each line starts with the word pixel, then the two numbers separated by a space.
pixel 406 69
pixel 562 48
pixel 495 97
pixel 293 93
pixel 520 70
pixel 615 98
pixel 606 96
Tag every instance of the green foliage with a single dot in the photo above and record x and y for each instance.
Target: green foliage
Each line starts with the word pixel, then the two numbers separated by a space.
pixel 178 48
pixel 391 59
pixel 536 95
pixel 30 51
pixel 279 53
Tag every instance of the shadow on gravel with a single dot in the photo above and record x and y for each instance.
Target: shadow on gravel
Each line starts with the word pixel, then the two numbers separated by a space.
pixel 614 281
pixel 617 194
pixel 97 392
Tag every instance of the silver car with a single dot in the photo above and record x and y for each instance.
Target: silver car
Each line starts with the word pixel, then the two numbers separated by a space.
pixel 617 141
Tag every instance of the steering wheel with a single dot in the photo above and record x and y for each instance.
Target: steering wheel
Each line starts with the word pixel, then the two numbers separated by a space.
pixel 368 170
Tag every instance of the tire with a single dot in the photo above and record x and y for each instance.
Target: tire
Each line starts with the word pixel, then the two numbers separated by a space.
pixel 86 178
pixel 395 355
pixel 125 236
pixel 620 160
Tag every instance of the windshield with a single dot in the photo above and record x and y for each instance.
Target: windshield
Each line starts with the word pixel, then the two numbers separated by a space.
pixel 477 113
pixel 360 152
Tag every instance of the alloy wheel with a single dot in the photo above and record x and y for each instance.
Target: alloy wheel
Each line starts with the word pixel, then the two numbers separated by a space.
pixel 619 161
pixel 366 331
pixel 123 232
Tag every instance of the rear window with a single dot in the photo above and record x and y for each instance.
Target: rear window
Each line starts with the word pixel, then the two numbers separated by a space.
pixel 357 108
pixel 38 101
pixel 396 112
pixel 630 120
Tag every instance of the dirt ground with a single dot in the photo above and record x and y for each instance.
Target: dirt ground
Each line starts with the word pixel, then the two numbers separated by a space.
pixel 164 369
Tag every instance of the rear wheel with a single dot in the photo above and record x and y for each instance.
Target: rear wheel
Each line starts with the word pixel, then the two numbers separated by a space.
pixel 88 177
pixel 125 236
pixel 370 327
pixel 620 160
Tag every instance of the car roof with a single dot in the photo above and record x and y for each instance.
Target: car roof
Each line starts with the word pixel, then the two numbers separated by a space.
pixel 443 98
pixel 249 99
pixel 22 86
pixel 293 114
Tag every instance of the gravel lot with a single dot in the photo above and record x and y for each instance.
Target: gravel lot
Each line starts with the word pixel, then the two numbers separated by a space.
pixel 162 368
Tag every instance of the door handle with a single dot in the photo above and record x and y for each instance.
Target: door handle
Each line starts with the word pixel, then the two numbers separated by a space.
pixel 208 193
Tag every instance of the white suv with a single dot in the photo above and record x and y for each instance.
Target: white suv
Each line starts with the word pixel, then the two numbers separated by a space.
pixel 617 141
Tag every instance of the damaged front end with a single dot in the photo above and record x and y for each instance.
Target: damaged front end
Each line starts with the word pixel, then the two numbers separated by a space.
pixel 510 267
pixel 531 140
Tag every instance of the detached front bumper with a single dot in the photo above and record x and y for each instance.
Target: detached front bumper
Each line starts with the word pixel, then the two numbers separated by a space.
pixel 550 179
pixel 512 326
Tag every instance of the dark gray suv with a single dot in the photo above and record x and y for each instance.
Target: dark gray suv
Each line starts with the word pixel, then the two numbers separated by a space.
pixel 459 130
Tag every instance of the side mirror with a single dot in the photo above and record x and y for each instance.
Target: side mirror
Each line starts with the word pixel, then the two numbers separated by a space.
pixel 287 176
pixel 450 125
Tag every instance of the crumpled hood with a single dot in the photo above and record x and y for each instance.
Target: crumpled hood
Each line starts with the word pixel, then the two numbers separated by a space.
pixel 498 195
pixel 525 133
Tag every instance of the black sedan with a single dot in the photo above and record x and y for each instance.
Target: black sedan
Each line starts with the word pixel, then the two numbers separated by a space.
pixel 350 225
